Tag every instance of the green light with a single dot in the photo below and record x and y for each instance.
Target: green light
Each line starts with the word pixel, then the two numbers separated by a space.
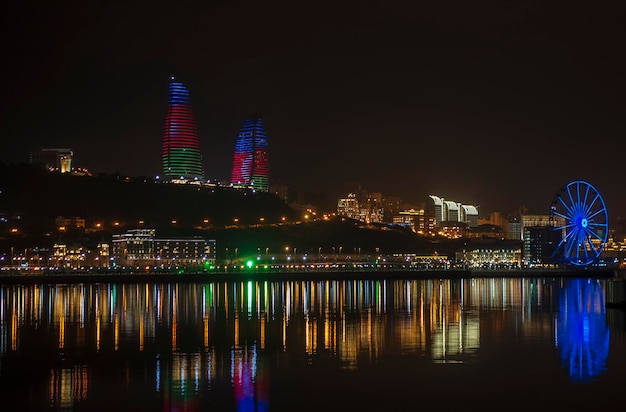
pixel 249 264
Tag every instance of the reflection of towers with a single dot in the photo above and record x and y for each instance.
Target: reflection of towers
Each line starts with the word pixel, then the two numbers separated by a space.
pixel 181 149
pixel 250 162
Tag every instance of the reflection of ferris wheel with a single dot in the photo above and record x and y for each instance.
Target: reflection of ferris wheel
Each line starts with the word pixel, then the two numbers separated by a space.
pixel 579 213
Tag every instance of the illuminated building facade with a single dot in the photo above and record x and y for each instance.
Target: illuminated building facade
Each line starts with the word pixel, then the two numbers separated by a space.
pixel 365 207
pixel 250 162
pixel 412 218
pixel 441 210
pixel 505 256
pixel 56 160
pixel 139 247
pixel 181 150
pixel 517 224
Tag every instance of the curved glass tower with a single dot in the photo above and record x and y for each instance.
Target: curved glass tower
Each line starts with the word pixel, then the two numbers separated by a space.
pixel 250 163
pixel 181 149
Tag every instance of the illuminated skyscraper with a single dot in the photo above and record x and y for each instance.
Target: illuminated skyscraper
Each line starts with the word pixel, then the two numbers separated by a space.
pixel 250 163
pixel 181 149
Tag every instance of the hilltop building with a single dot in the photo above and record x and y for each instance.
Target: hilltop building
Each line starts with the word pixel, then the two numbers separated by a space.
pixel 57 160
pixel 181 156
pixel 250 161
pixel 415 219
pixel 441 210
pixel 363 206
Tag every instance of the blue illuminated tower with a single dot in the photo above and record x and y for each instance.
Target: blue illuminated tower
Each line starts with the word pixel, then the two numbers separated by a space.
pixel 181 149
pixel 250 162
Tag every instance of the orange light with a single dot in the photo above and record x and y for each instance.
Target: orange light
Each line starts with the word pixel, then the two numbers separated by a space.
pixel 14 230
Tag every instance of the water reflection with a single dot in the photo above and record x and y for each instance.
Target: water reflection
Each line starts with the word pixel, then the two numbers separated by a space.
pixel 190 346
pixel 582 332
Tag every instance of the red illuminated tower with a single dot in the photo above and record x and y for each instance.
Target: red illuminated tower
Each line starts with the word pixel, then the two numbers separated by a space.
pixel 181 149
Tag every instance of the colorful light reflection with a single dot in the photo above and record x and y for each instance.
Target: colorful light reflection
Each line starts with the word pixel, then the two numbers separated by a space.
pixel 582 334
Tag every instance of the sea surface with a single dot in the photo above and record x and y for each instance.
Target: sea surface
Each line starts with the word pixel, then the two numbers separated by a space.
pixel 497 343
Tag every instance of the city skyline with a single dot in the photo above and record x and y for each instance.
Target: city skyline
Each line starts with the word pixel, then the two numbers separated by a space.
pixel 494 104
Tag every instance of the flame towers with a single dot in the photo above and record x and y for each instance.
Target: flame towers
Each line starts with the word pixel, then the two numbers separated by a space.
pixel 250 163
pixel 181 149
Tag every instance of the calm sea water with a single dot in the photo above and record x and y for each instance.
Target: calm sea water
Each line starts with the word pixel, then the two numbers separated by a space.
pixel 491 344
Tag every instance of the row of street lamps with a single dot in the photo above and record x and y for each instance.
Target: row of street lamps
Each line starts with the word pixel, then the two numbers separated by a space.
pixel 337 252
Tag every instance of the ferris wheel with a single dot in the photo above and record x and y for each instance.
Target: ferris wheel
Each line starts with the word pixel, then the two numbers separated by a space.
pixel 579 214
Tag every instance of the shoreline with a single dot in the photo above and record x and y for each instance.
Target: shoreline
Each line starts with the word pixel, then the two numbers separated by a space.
pixel 59 278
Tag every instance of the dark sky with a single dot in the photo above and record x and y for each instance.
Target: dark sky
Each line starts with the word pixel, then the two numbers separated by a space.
pixel 493 103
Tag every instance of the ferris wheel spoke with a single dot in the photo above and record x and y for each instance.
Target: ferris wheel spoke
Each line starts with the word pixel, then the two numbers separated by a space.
pixel 569 193
pixel 578 201
pixel 564 227
pixel 585 249
pixel 597 225
pixel 592 247
pixel 560 244
pixel 561 215
pixel 591 232
pixel 577 251
pixel 566 217
pixel 590 205
pixel 569 235
pixel 570 245
pixel 595 214
pixel 567 207
pixel 586 235
pixel 586 195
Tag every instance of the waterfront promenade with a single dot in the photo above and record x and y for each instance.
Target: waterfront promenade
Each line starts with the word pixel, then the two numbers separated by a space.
pixel 148 276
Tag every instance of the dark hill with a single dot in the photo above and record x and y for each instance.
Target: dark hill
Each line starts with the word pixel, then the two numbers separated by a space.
pixel 36 197
pixel 243 222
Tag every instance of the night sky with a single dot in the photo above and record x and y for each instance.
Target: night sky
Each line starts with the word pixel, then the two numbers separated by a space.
pixel 492 103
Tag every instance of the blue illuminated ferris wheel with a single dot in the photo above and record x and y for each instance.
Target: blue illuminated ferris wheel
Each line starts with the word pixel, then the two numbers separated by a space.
pixel 579 215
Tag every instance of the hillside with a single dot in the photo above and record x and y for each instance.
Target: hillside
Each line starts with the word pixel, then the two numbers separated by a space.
pixel 33 198
pixel 242 222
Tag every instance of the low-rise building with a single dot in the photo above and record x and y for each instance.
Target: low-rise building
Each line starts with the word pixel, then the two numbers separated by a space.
pixel 141 247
